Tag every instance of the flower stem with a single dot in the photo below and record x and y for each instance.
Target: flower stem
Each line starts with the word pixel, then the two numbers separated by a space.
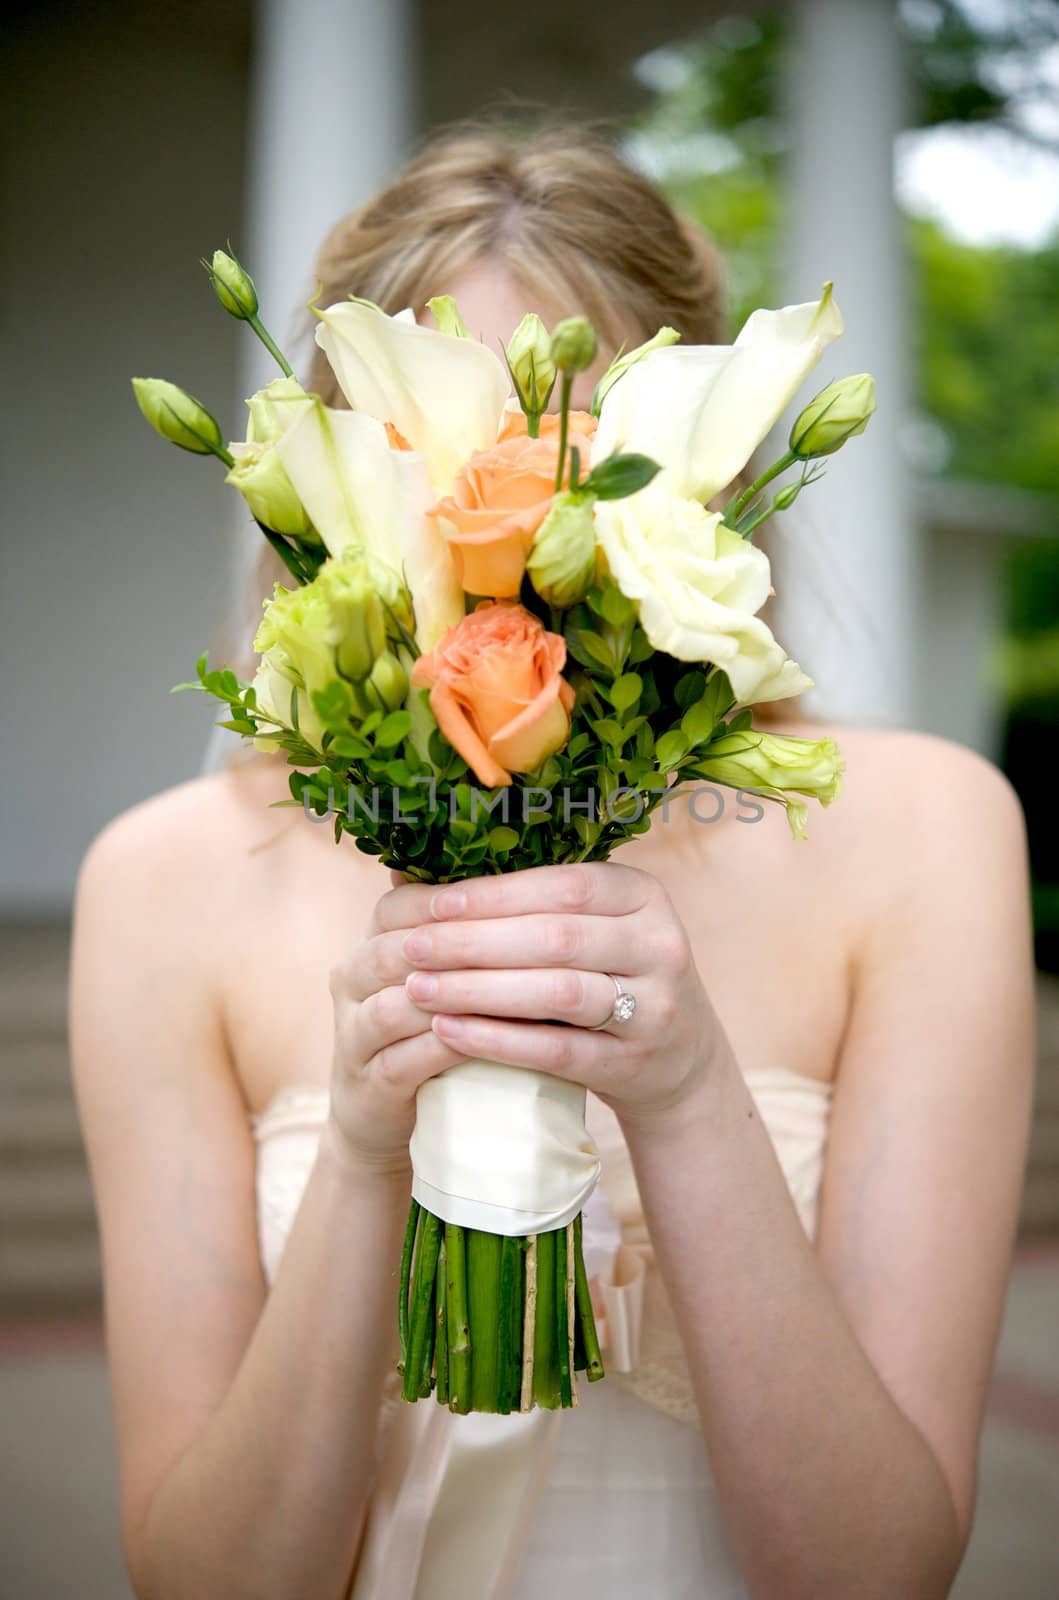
pixel 545 1364
pixel 421 1333
pixel 585 1316
pixel 459 1335
pixel 739 502
pixel 562 1337
pixel 571 1308
pixel 509 1344
pixel 483 1304
pixel 271 346
pixel 564 423
pixel 528 1323
pixel 406 1269
pixel 441 1343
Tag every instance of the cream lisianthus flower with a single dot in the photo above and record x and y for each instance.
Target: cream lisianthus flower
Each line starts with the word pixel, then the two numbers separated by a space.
pixel 698 588
pixel 702 410
pixel 358 490
pixel 282 699
pixel 444 394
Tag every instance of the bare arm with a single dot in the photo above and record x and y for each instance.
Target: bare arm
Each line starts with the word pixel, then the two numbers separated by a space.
pixel 842 1392
pixel 246 1419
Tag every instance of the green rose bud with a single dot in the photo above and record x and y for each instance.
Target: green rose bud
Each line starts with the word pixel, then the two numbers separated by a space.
pixel 233 286
pixel 272 409
pixel 621 364
pixel 838 413
pixel 178 417
pixel 777 766
pixel 529 358
pixel 562 563
pixel 261 479
pixel 385 687
pixel 573 344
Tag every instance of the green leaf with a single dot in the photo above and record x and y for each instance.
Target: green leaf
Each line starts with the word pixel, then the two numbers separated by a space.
pixel 393 729
pixel 609 731
pixel 503 839
pixel 620 475
pixel 614 607
pixel 625 691
pixel 741 722
pixel 596 649
pixel 690 687
pixel 698 721
pixel 671 748
pixel 333 705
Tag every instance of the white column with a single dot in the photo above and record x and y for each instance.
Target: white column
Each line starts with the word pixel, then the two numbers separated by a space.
pixel 332 112
pixel 848 556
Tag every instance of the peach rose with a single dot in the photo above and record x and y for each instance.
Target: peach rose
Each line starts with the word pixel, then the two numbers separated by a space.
pixel 499 499
pixel 497 690
pixel 514 426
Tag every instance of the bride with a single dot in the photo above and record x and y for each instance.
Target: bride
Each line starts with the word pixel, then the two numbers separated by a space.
pixel 813 1130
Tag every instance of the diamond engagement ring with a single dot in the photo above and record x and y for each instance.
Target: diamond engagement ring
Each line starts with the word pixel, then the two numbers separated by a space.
pixel 623 1009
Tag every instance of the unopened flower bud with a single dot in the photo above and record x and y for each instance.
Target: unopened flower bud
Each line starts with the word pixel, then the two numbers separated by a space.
pixel 573 344
pixel 529 357
pixel 787 496
pixel 261 479
pixel 362 622
pixel 386 686
pixel 177 416
pixel 838 413
pixel 233 286
pixel 562 563
pixel 273 408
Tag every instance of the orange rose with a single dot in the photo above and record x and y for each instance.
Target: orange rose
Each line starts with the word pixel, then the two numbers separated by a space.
pixel 497 690
pixel 498 501
pixel 514 426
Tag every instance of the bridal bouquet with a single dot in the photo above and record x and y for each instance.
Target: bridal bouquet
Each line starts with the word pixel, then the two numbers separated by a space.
pixel 509 633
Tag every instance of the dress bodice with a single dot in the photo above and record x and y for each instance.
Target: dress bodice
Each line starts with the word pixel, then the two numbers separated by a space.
pixel 605 1498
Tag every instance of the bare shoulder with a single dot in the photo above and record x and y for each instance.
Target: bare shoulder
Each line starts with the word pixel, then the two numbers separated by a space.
pixel 165 836
pixel 919 786
pixel 919 815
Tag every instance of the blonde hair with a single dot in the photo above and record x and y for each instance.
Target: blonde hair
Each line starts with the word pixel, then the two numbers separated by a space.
pixel 573 224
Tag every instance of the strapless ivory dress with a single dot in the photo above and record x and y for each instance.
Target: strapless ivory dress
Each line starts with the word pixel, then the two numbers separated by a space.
pixel 612 1498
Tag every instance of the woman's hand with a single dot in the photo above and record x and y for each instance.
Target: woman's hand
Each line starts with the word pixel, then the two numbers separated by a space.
pixel 499 961
pixel 384 1045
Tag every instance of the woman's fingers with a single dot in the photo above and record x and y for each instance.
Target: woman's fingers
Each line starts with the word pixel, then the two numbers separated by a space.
pixel 385 1017
pixel 589 943
pixel 585 999
pixel 599 888
pixel 407 1063
pixel 570 1053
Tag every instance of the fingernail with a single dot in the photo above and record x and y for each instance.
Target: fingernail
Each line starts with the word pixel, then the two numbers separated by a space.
pixel 448 903
pixel 421 986
pixel 448 1027
pixel 416 945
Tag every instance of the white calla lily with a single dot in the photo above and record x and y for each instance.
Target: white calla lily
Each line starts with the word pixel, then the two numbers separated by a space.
pixel 444 394
pixel 698 588
pixel 358 490
pixel 702 410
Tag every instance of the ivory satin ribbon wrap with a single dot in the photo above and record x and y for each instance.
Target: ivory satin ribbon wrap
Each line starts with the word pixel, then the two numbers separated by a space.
pixel 502 1149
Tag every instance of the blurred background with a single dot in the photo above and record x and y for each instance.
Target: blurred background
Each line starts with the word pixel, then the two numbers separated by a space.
pixel 909 151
